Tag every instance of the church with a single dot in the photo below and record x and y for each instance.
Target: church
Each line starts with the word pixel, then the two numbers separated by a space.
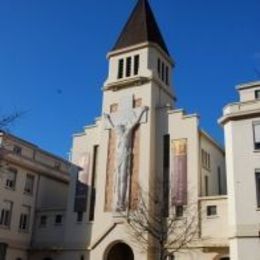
pixel 145 182
pixel 142 144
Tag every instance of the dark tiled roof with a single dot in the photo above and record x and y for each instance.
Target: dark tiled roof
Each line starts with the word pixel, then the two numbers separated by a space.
pixel 141 27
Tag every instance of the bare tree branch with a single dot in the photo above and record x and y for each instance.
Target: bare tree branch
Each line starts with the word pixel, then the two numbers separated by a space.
pixel 169 234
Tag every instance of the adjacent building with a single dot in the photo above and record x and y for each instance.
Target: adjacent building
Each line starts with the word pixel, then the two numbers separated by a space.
pixel 241 121
pixel 34 189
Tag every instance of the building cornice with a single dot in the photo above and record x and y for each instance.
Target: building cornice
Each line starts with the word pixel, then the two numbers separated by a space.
pixel 242 115
pixel 136 82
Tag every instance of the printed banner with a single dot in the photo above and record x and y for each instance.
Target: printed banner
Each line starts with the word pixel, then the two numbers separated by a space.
pixel 179 172
pixel 82 184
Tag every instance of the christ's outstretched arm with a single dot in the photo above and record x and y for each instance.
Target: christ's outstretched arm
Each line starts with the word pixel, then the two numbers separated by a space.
pixel 108 119
pixel 138 117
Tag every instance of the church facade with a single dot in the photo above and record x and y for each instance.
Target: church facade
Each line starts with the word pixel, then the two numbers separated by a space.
pixel 144 161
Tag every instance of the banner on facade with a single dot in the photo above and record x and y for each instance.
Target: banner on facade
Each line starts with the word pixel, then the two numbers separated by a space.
pixel 82 184
pixel 179 172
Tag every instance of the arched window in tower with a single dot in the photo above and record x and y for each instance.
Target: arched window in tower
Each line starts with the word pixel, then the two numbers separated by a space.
pixel 128 66
pixel 120 69
pixel 136 64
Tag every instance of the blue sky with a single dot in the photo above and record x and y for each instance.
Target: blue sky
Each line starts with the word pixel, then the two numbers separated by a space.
pixel 53 59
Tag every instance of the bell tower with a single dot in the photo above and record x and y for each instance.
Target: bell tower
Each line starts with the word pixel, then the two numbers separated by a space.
pixel 140 56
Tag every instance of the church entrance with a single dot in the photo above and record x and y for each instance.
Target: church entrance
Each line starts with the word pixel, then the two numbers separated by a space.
pixel 120 251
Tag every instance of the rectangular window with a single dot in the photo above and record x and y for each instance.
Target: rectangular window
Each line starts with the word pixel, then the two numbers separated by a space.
pixel 43 221
pixel 120 69
pixel 163 71
pixel 80 216
pixel 167 75
pixel 257 176
pixel 206 185
pixel 205 160
pixel 136 64
pixel 211 210
pixel 25 219
pixel 58 219
pixel 29 183
pixel 166 173
pixel 6 214
pixel 11 178
pixel 93 184
pixel 219 181
pixel 257 94
pixel 179 211
pixel 128 66
pixel 17 150
pixel 159 67
pixel 256 127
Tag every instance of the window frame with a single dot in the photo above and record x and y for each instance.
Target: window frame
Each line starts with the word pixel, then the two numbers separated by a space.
pixel 210 213
pixel 257 94
pixel 43 224
pixel 24 221
pixel 128 67
pixel 29 192
pixel 60 218
pixel 257 180
pixel 8 182
pixel 120 72
pixel 256 144
pixel 136 64
pixel 6 215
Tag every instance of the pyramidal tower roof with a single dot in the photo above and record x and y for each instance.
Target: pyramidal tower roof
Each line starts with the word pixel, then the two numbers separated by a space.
pixel 141 27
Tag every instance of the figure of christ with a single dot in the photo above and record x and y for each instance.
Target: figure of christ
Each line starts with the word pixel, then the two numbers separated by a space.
pixel 124 133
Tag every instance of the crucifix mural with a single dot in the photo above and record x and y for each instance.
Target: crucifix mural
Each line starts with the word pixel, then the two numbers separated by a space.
pixel 123 123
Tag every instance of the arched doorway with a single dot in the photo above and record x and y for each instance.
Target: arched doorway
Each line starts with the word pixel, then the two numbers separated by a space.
pixel 120 251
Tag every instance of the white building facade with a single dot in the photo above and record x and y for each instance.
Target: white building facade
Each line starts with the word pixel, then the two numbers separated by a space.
pixel 241 121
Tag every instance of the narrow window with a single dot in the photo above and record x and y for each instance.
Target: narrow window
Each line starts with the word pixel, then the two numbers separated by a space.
pixel 163 71
pixel 257 94
pixel 24 219
pixel 136 64
pixel 179 211
pixel 43 221
pixel 256 126
pixel 80 216
pixel 11 178
pixel 211 210
pixel 167 76
pixel 128 66
pixel 58 219
pixel 120 69
pixel 209 162
pixel 29 183
pixel 166 172
pixel 219 181
pixel 159 67
pixel 17 150
pixel 257 175
pixel 93 185
pixel 206 185
pixel 6 214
